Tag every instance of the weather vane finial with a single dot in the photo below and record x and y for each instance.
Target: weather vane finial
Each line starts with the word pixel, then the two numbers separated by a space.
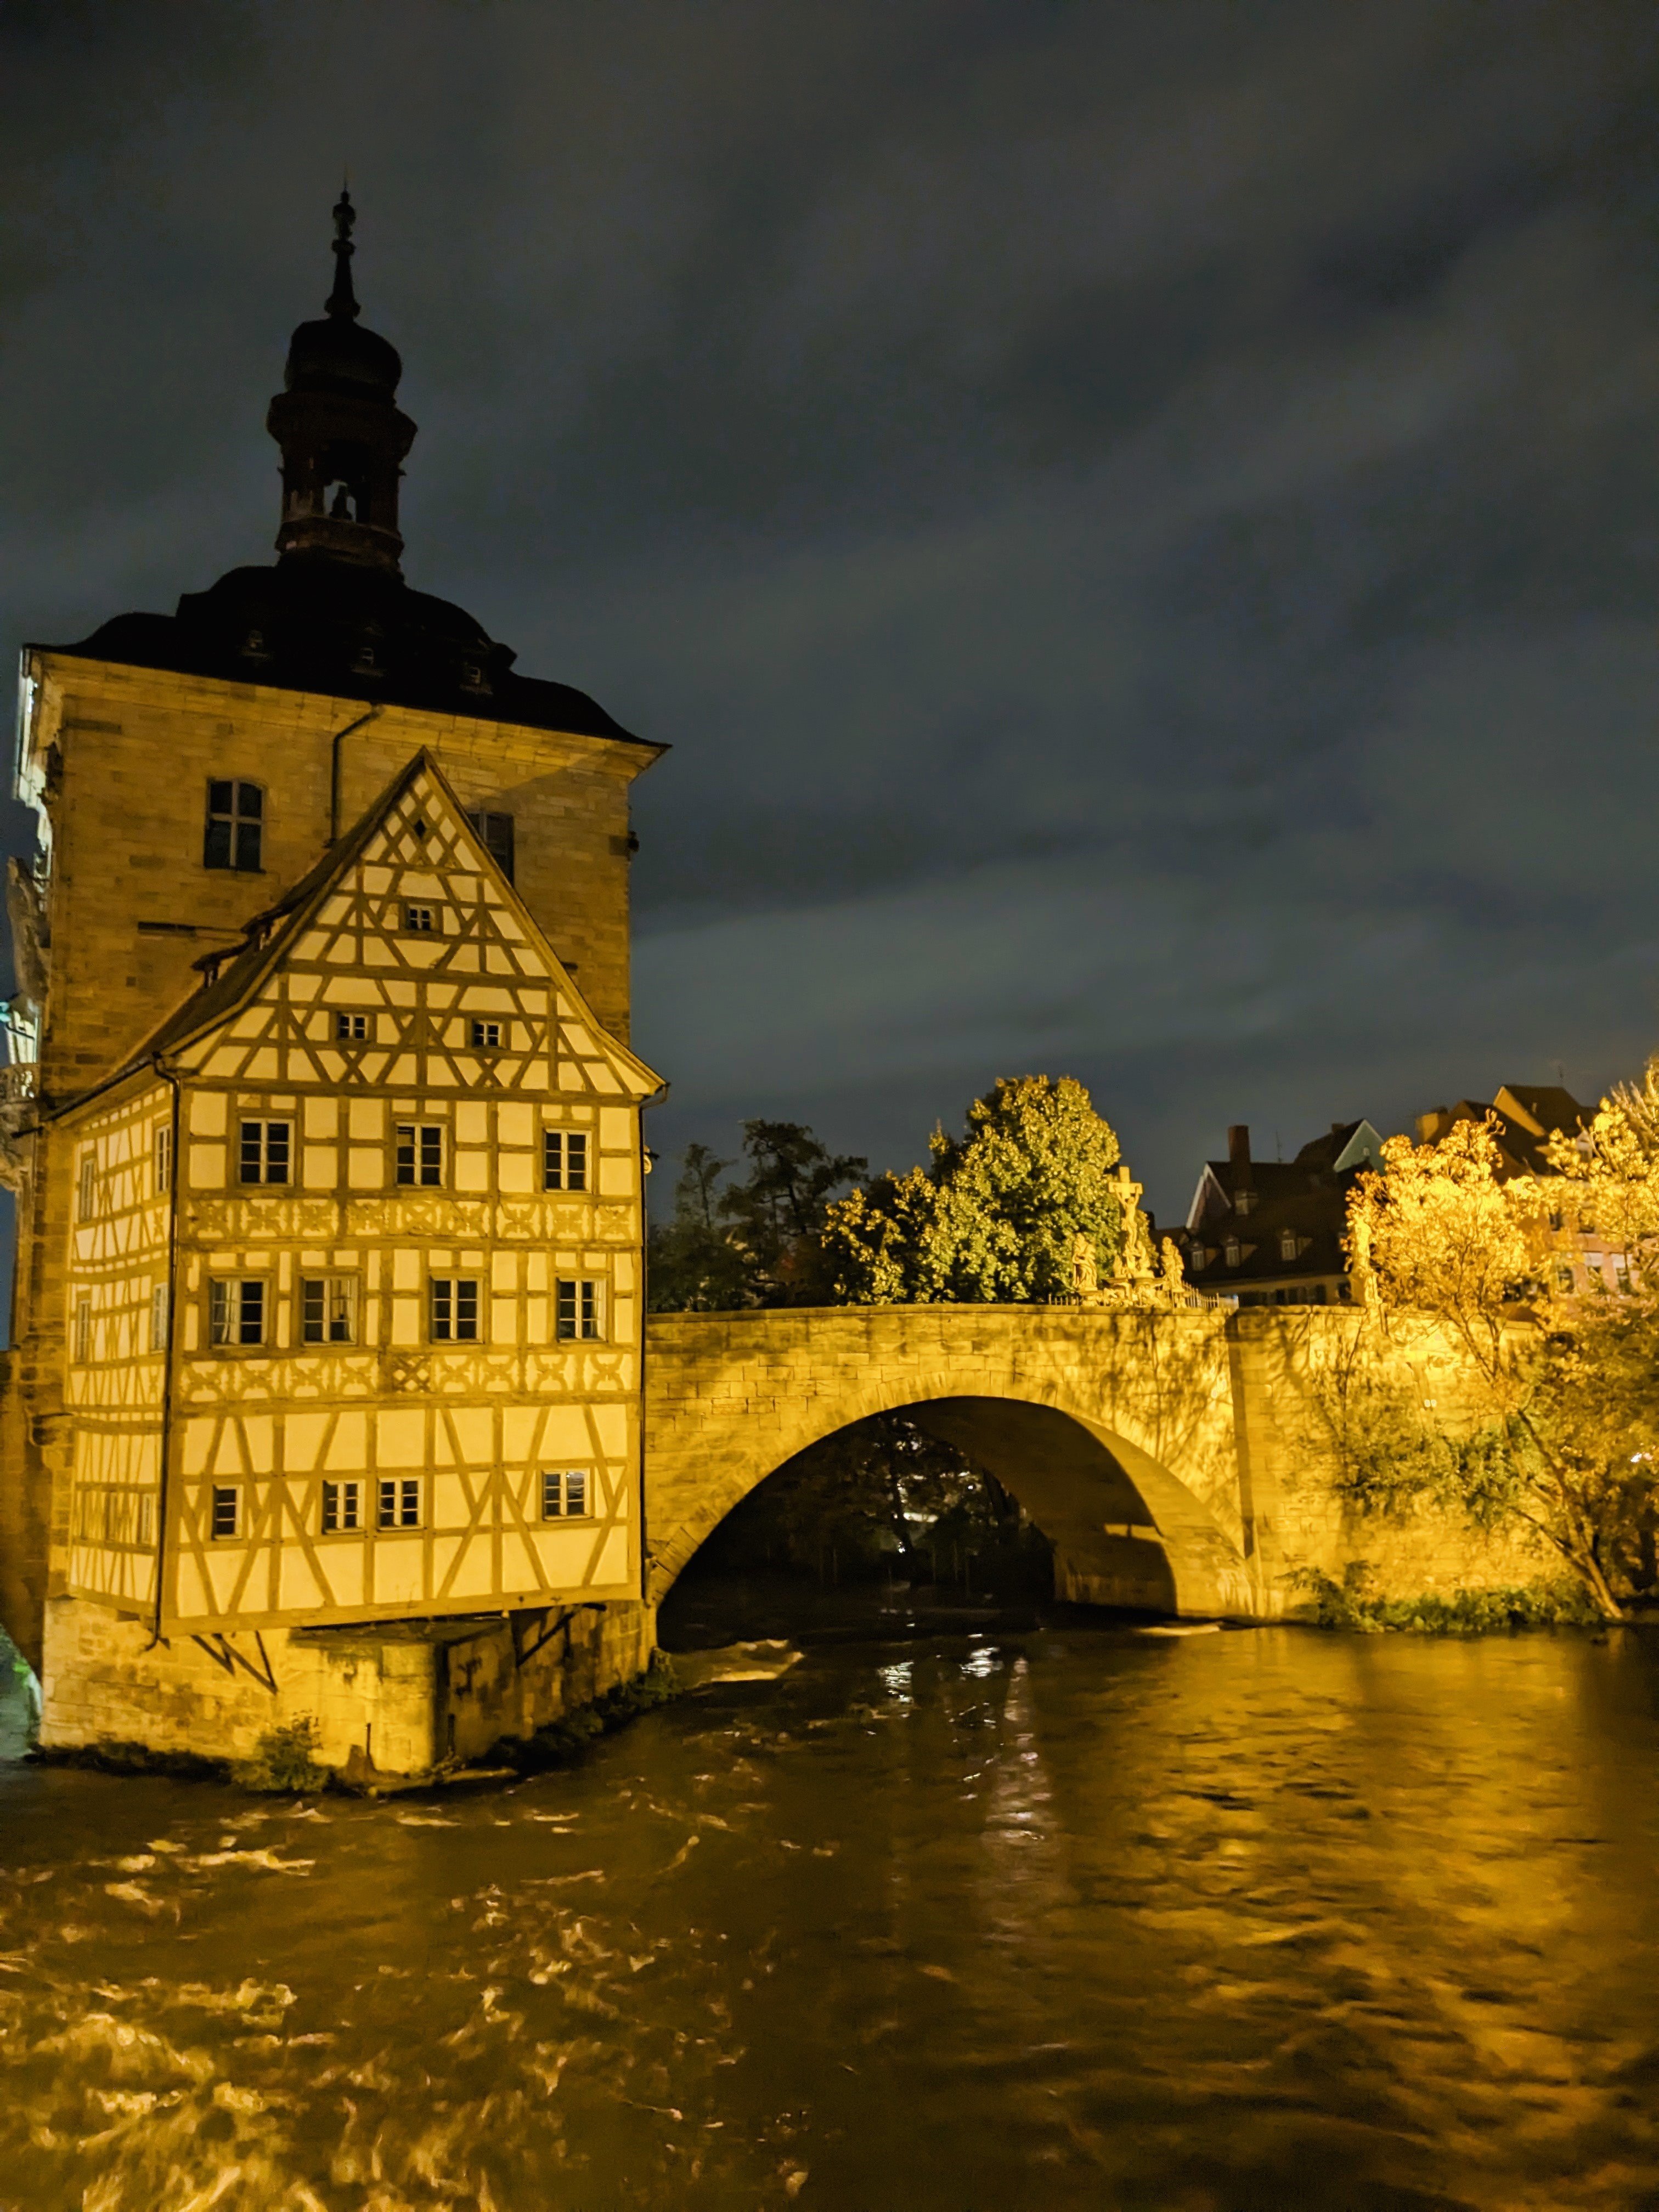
pixel 341 301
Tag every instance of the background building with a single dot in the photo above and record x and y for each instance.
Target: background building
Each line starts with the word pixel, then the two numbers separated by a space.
pixel 1573 1255
pixel 1271 1233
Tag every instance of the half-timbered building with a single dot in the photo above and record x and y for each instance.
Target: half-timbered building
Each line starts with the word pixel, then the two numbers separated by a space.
pixel 325 1135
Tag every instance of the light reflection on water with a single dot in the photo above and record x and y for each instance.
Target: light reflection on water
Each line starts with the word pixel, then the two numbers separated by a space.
pixel 1077 1919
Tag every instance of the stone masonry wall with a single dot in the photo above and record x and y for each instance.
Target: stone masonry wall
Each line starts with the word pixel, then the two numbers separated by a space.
pixel 398 1698
pixel 1211 1414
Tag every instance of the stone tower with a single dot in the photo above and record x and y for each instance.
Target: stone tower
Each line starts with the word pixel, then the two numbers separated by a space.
pixel 324 1135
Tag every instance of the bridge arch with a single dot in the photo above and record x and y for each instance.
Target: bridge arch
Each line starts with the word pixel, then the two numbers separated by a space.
pixel 1115 1432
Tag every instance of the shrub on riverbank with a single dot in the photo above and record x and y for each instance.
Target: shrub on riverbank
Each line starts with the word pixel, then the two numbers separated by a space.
pixel 284 1764
pixel 1350 1604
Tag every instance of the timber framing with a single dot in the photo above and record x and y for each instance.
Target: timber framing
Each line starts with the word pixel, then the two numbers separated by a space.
pixel 343 1346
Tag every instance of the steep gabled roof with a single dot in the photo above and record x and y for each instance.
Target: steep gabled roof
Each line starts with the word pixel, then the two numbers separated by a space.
pixel 1526 1115
pixel 235 977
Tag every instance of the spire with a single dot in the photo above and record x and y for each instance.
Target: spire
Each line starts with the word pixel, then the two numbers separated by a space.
pixel 342 302
pixel 337 421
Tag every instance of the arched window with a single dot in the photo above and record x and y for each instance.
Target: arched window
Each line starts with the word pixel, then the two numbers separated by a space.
pixel 234 836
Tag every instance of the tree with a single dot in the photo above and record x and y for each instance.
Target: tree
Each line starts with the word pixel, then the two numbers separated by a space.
pixel 776 1216
pixel 1439 1232
pixel 754 1242
pixel 695 1267
pixel 996 1217
pixel 1560 1429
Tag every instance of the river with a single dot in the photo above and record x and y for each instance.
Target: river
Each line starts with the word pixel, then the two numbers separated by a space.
pixel 947 1918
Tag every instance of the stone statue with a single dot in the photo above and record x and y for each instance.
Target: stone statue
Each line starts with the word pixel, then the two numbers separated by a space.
pixel 1138 1263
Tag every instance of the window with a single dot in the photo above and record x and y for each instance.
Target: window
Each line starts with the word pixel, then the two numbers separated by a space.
pixel 236 1311
pixel 1244 1201
pixel 564 1159
pixel 454 1309
pixel 87 1194
pixel 162 1155
pixel 400 1503
pixel 1563 1279
pixel 1287 1243
pixel 421 920
pixel 343 1506
pixel 576 1311
pixel 564 1494
pixel 158 1318
pixel 235 827
pixel 146 1518
pixel 497 832
pixel 83 1331
pixel 328 1309
pixel 265 1153
pixel 351 1028
pixel 420 1153
pixel 1232 1252
pixel 486 1035
pixel 227 1511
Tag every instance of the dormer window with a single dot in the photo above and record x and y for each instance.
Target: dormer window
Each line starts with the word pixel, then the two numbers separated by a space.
pixel 1232 1252
pixel 1289 1244
pixel 234 835
pixel 1244 1202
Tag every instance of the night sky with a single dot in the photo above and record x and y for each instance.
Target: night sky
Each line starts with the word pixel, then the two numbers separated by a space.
pixel 1141 522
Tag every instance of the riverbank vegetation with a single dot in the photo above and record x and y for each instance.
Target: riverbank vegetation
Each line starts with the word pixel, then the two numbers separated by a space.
pixel 1549 1430
pixel 1353 1604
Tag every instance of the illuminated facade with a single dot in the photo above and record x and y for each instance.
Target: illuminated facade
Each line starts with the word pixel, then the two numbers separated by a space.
pixel 321 1117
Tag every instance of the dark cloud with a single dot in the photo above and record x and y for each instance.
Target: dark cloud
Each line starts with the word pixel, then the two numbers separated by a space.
pixel 1140 522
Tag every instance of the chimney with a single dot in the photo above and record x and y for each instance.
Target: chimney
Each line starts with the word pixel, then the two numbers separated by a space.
pixel 1238 1144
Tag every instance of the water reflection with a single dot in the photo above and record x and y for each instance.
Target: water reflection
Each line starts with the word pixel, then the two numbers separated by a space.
pixel 1044 1920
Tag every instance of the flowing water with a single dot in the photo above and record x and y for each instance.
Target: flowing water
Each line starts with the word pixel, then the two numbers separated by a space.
pixel 939 1922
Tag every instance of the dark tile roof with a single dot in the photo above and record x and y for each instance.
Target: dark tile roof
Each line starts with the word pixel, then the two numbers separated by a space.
pixel 1306 1197
pixel 308 623
pixel 1525 1116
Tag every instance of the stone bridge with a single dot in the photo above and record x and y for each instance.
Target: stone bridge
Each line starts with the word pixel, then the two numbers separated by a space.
pixel 1149 1447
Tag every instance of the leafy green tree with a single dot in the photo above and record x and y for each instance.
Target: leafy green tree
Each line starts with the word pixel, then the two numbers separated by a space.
pixel 996 1217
